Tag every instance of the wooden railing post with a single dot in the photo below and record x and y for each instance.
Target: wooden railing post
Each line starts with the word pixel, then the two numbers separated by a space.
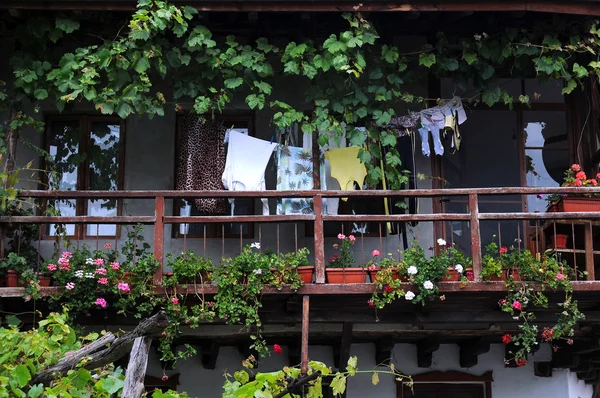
pixel 305 324
pixel 475 235
pixel 319 240
pixel 159 236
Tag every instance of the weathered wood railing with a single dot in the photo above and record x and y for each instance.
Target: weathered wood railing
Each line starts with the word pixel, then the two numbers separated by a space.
pixel 159 219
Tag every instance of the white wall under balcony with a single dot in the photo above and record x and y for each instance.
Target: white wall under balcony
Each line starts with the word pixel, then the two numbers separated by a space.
pixel 508 382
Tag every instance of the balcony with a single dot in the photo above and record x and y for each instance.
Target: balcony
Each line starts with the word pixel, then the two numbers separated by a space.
pixel 536 227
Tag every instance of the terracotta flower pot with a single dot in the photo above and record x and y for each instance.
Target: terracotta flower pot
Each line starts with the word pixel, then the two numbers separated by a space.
pixel 395 275
pixel 346 275
pixel 495 278
pixel 577 204
pixel 560 241
pixel 470 274
pixel 451 276
pixel 45 280
pixel 515 274
pixel 12 278
pixel 306 273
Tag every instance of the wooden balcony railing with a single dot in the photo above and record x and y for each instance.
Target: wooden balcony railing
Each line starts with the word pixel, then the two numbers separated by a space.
pixel 473 215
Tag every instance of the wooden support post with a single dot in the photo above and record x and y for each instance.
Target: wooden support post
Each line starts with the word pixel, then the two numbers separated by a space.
pixel 342 351
pixel 589 252
pixel 210 353
pixel 425 349
pixel 319 240
pixel 383 351
pixel 475 236
pixel 305 324
pixel 159 236
pixel 470 351
pixel 136 369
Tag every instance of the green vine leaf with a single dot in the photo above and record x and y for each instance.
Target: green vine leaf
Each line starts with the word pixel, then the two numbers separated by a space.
pixel 491 96
pixel 338 384
pixel 67 25
pixel 233 83
pixel 427 60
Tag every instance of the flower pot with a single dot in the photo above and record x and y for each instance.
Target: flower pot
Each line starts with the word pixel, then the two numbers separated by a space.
pixel 560 241
pixel 495 278
pixel 395 275
pixel 12 278
pixel 45 280
pixel 470 274
pixel 451 276
pixel 576 204
pixel 2 282
pixel 346 275
pixel 514 273
pixel 306 273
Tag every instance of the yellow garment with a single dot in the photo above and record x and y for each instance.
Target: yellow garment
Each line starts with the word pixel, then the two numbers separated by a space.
pixel 451 125
pixel 346 168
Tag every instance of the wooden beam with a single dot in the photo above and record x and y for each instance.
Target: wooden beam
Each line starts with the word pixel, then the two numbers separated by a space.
pixel 470 351
pixel 577 7
pixel 383 351
pixel 542 369
pixel 210 354
pixel 563 359
pixel 136 369
pixel 591 375
pixel 425 349
pixel 342 351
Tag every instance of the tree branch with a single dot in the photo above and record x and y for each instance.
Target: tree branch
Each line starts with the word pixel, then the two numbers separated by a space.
pixel 120 347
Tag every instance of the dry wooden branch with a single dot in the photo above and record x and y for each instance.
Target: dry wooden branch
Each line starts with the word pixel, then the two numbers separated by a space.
pixel 120 347
pixel 136 369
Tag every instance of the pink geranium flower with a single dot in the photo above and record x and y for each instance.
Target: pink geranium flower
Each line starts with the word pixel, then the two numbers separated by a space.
pixel 115 266
pixel 100 271
pixel 52 267
pixel 341 236
pixel 101 302
pixel 103 281
pixel 67 255
pixel 375 253
pixel 99 261
pixel 124 287
pixel 107 246
pixel 517 306
pixel 352 238
pixel 560 277
pixel 70 286
pixel 175 300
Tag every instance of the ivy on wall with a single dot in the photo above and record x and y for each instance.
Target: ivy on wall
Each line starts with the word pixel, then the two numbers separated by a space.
pixel 352 79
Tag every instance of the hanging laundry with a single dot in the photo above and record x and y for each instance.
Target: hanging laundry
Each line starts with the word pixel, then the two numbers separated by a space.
pixel 444 118
pixel 295 172
pixel 247 159
pixel 346 168
pixel 406 124
pixel 201 161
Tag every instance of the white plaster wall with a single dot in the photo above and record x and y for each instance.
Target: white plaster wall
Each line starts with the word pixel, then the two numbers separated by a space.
pixel 508 382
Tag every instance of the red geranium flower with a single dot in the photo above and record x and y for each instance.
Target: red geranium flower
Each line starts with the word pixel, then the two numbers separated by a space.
pixel 521 362
pixel 371 303
pixel 517 306
pixel 575 167
pixel 503 250
pixel 277 349
pixel 388 289
pixel 507 338
pixel 547 334
pixel 580 176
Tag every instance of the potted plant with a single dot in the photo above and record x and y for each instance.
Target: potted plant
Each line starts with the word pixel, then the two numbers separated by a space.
pixel 453 260
pixel 188 268
pixel 295 262
pixel 492 263
pixel 575 177
pixel 341 266
pixel 388 264
pixel 15 265
pixel 560 241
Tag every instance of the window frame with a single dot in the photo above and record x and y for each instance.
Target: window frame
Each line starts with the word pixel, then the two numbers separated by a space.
pixel 449 377
pixel 215 232
pixel 83 169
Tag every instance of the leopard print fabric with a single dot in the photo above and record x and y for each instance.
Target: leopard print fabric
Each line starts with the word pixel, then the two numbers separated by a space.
pixel 202 161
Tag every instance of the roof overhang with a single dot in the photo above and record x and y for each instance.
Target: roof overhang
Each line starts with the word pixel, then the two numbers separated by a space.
pixel 576 7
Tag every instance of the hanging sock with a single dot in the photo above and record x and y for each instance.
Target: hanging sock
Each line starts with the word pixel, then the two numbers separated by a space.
pixel 424 133
pixel 437 142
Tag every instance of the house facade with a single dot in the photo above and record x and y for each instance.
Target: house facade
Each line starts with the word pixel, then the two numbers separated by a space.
pixel 482 180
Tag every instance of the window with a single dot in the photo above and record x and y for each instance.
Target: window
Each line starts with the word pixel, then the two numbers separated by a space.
pixel 87 153
pixel 449 384
pixel 243 123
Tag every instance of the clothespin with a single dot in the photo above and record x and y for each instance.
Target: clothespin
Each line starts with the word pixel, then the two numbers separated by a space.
pixel 272 138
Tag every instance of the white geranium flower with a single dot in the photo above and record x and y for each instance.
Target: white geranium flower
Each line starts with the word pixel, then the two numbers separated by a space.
pixel 459 268
pixel 89 275
pixel 441 242
pixel 409 295
pixel 258 271
pixel 79 273
pixel 255 245
pixel 89 261
pixel 428 285
pixel 412 270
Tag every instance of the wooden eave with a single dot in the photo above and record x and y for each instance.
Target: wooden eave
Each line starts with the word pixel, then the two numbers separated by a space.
pixel 575 7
